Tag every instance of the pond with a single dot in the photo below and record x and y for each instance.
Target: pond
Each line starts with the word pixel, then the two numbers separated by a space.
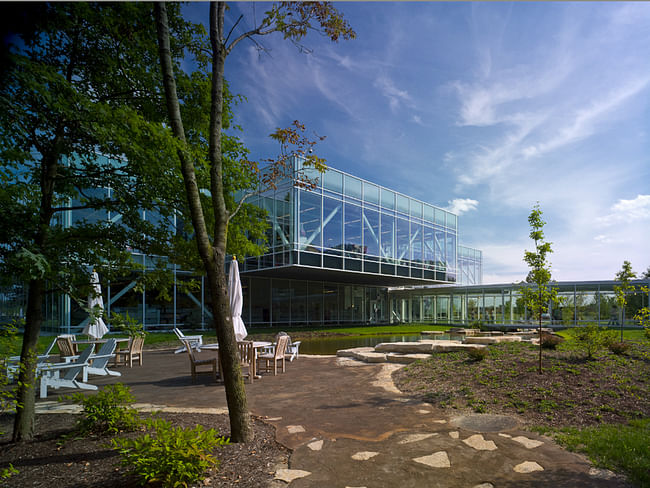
pixel 329 345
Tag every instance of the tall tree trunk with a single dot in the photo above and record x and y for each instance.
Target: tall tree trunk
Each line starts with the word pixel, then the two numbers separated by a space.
pixel 25 400
pixel 212 255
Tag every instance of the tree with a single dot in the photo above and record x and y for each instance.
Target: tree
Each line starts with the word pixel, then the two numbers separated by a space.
pixel 538 296
pixel 646 274
pixel 292 20
pixel 80 130
pixel 621 291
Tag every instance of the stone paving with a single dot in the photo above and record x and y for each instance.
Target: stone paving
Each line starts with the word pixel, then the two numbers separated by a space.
pixel 349 427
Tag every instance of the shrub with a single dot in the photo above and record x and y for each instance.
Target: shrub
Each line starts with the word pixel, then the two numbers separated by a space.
pixel 127 324
pixel 619 347
pixel 592 338
pixel 172 456
pixel 550 341
pixel 107 412
pixel 478 354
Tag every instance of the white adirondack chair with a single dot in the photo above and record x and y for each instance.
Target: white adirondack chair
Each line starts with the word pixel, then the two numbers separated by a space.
pixel 195 341
pixel 13 362
pixel 292 350
pixel 99 365
pixel 64 375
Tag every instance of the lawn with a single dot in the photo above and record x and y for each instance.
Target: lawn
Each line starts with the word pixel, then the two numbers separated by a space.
pixel 588 405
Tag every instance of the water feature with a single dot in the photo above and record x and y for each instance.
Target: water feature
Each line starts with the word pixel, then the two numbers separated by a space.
pixel 331 344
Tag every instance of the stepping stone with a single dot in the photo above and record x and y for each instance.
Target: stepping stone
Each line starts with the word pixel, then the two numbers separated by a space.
pixel 484 485
pixel 506 435
pixel 405 347
pixel 288 475
pixel 479 443
pixel 454 434
pixel 436 460
pixel 370 357
pixel 316 445
pixel 415 438
pixel 295 429
pixel 364 455
pixel 424 411
pixel 406 358
pixel 527 467
pixel 439 421
pixel 527 443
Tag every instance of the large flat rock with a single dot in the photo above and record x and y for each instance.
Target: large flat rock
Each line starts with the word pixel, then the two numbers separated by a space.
pixel 492 340
pixel 406 347
pixel 392 357
pixel 351 353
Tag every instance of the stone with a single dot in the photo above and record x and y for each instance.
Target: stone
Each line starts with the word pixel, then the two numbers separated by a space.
pixel 454 434
pixel 273 419
pixel 484 485
pixel 364 455
pixel 436 460
pixel 415 438
pixel 439 421
pixel 316 445
pixel 392 357
pixel 295 429
pixel 405 347
pixel 527 467
pixel 288 475
pixel 479 443
pixel 508 436
pixel 604 474
pixel 492 339
pixel 424 411
pixel 370 357
pixel 526 442
pixel 350 353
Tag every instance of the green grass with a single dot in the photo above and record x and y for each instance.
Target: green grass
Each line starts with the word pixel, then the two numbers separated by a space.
pixel 628 334
pixel 615 447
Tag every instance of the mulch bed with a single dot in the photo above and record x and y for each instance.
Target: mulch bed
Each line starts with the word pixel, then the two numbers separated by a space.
pixel 572 391
pixel 88 462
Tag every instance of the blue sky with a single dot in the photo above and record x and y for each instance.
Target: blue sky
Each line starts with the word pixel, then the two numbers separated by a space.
pixel 482 108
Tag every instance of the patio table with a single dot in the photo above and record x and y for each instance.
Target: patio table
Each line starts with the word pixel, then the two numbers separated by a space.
pixel 257 345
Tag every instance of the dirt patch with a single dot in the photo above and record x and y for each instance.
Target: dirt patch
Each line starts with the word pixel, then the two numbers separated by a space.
pixel 88 462
pixel 572 391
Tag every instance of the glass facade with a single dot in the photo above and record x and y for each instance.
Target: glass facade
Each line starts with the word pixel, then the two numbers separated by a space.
pixel 345 223
pixel 580 303
pixel 332 251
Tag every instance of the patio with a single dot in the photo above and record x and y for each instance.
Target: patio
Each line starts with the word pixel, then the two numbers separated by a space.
pixel 349 426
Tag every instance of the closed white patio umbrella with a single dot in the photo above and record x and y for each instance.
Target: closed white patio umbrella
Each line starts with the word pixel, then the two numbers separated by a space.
pixel 236 300
pixel 96 328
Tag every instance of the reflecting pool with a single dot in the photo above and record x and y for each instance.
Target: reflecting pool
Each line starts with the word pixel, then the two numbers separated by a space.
pixel 329 345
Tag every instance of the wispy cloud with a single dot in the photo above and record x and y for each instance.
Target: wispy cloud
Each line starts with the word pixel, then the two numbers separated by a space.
pixel 459 206
pixel 396 97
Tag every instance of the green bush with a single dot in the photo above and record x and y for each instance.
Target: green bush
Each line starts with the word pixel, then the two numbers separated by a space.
pixel 477 354
pixel 107 412
pixel 550 341
pixel 592 338
pixel 172 456
pixel 619 348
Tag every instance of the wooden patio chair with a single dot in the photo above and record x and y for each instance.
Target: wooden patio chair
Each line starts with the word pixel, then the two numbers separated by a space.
pixel 67 350
pixel 134 351
pixel 247 357
pixel 212 362
pixel 278 355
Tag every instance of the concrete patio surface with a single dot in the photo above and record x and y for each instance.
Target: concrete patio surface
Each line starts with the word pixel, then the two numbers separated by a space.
pixel 348 426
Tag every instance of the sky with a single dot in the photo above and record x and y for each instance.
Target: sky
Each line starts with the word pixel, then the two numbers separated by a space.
pixel 482 108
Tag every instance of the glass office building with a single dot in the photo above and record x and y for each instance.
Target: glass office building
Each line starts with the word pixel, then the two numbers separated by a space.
pixel 580 303
pixel 334 248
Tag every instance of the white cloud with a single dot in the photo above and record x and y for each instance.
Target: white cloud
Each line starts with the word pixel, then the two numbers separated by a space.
pixel 460 206
pixel 628 211
pixel 395 96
